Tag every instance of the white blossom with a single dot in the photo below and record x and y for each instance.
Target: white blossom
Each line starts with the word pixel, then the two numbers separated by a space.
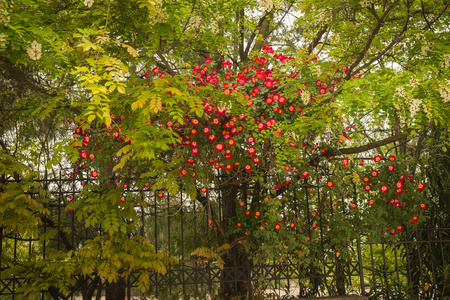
pixel 3 39
pixel 306 97
pixel 446 61
pixel 414 106
pixel 34 51
pixel 444 90
pixel 266 4
pixel 4 17
pixel 88 3
pixel 196 22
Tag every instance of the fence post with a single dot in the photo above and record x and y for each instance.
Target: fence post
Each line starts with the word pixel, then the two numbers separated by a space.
pixel 361 268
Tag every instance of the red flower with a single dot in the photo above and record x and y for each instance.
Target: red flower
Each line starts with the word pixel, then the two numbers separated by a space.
pixel 423 205
pixel 374 173
pixel 261 126
pixel 305 174
pixel 330 183
pixel 345 162
pixel 91 156
pixel 219 147
pixel 232 142
pixel 247 213
pixel 183 172
pixel 323 91
pixel 366 180
pixel 399 185
pixel 415 219
pixel 276 187
pixel 194 151
pixel 391 157
pixel 345 69
pixel 292 225
pixel 194 132
pixel 190 161
pixel 248 168
pixel 122 199
pixel 371 202
pixel 241 204
pixel 420 186
pixel 393 231
pixel 238 224
pixel 384 188
pixel 208 60
pixel 287 168
pixel 146 184
pixel 399 228
pixel 229 167
pixel 377 158
pixel 361 163
pixel 391 168
pixel 314 225
pixel 367 188
pixel 353 205
pixel 277 227
pixel 206 130
pixel 291 108
pixel 257 214
pixel 256 161
pixel 268 82
pixel 251 151
pixel 160 195
pixel 204 190
pixel 237 164
pixel 402 177
pixel 94 174
pixel 212 138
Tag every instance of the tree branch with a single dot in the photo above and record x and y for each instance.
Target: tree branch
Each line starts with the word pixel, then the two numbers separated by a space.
pixel 367 147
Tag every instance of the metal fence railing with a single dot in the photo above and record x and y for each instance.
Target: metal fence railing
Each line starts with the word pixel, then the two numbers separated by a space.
pixel 413 266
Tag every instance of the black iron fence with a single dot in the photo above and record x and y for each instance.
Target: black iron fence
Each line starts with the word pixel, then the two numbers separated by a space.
pixel 415 265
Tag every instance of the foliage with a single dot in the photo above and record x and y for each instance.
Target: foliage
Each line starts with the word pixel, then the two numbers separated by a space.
pixel 188 96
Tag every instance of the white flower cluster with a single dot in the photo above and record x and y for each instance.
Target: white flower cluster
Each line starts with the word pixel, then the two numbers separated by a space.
pixel 427 110
pixel 196 22
pixel 366 3
pixel 324 16
pixel 444 90
pixel 306 97
pixel 3 39
pixel 34 51
pixel 160 16
pixel 316 70
pixel 337 37
pixel 266 4
pixel 426 47
pixel 215 25
pixel 88 3
pixel 414 106
pixel 446 61
pixel 4 17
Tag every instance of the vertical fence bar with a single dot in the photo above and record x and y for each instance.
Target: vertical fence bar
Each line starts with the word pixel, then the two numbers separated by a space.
pixel 361 268
pixel 373 269
pixel 59 209
pixel 385 271
pixel 420 259
pixel 156 242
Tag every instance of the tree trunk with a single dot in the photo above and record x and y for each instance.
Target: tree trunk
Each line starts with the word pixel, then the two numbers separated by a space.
pixel 116 290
